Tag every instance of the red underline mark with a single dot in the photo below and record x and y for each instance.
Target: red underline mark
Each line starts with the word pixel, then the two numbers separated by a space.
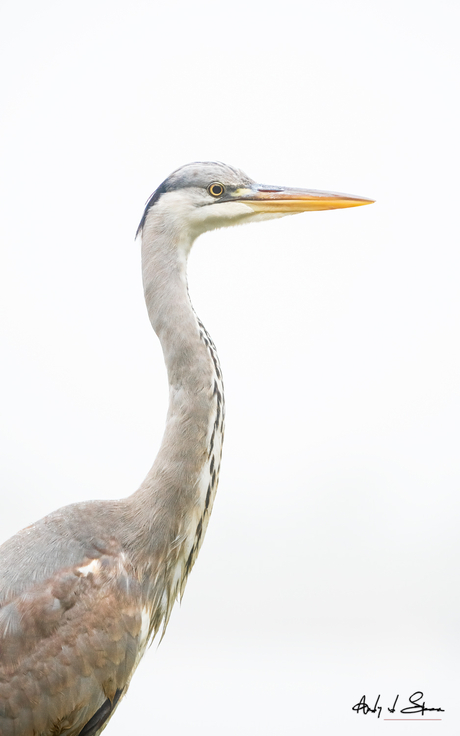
pixel 412 719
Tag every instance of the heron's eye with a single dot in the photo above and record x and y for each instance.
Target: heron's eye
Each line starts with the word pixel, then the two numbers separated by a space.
pixel 216 189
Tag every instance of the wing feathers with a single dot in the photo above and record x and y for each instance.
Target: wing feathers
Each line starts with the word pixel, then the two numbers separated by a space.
pixel 68 648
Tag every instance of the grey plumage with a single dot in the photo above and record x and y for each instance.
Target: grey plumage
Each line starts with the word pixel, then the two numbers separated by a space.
pixel 84 590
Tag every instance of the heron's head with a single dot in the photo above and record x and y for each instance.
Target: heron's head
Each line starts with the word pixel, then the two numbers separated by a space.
pixel 207 195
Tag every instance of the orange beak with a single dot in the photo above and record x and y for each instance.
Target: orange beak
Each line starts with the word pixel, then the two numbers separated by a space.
pixel 283 199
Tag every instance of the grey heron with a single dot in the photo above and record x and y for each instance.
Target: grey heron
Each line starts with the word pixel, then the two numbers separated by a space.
pixel 85 589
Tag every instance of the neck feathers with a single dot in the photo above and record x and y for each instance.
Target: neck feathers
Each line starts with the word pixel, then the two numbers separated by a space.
pixel 173 504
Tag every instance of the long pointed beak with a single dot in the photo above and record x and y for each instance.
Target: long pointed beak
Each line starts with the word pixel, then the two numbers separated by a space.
pixel 283 199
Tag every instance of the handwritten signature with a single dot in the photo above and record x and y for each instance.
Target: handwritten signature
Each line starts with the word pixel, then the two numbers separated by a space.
pixel 415 706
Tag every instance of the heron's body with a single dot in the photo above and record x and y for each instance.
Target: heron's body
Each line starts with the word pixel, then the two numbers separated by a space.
pixel 84 590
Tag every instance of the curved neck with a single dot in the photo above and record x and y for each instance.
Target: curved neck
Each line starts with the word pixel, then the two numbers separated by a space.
pixel 172 506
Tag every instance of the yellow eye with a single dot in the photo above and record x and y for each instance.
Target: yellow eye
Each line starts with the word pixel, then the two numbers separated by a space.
pixel 216 189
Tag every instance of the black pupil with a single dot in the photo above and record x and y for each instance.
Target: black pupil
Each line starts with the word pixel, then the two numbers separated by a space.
pixel 216 189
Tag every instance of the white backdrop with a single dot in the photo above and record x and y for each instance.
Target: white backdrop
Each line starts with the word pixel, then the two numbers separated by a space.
pixel 330 568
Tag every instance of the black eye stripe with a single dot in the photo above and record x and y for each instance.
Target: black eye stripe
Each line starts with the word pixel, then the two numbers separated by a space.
pixel 216 189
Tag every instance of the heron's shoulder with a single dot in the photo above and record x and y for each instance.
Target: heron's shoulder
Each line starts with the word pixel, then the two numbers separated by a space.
pixel 75 537
pixel 70 623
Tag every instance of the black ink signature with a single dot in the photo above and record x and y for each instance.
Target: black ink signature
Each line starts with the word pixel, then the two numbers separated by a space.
pixel 415 707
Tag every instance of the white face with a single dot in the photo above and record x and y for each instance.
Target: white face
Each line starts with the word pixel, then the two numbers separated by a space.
pixel 225 214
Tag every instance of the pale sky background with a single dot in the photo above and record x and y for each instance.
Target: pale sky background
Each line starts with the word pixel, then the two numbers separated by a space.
pixel 330 568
